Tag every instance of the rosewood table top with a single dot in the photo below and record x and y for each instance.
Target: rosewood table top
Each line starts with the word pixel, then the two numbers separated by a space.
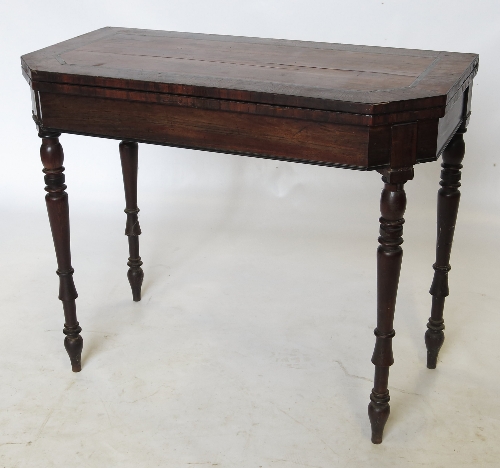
pixel 357 107
pixel 366 89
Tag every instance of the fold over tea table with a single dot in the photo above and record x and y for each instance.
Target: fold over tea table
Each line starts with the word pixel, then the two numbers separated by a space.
pixel 355 107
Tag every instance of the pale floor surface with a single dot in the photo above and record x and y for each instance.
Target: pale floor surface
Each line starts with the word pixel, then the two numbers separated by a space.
pixel 251 346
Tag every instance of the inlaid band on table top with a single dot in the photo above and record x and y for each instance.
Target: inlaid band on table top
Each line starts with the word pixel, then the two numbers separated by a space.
pixel 309 102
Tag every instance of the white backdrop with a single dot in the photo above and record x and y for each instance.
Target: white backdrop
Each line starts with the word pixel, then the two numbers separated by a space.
pixel 260 259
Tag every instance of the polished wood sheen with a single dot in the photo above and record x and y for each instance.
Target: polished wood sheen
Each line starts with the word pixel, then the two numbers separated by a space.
pixel 356 107
pixel 448 201
pixel 52 156
pixel 389 258
pixel 337 77
pixel 329 104
pixel 130 161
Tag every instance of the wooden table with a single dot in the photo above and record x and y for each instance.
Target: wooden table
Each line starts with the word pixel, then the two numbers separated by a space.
pixel 356 107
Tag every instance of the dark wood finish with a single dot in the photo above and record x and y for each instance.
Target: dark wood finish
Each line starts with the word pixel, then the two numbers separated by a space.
pixel 389 257
pixel 336 105
pixel 448 202
pixel 317 103
pixel 299 135
pixel 338 77
pixel 129 159
pixel 243 106
pixel 230 132
pixel 52 156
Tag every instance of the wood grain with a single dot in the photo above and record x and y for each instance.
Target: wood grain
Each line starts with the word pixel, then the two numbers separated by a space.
pixel 338 105
pixel 389 258
pixel 129 158
pixel 448 203
pixel 336 77
pixel 209 130
pixel 56 199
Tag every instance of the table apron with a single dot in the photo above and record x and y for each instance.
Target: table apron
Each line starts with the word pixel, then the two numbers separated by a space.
pixel 269 136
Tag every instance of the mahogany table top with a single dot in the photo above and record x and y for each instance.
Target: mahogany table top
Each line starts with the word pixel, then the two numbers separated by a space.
pixel 339 105
pixel 315 75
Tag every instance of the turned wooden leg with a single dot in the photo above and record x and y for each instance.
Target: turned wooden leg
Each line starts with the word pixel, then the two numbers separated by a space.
pixel 448 201
pixel 129 159
pixel 389 256
pixel 56 199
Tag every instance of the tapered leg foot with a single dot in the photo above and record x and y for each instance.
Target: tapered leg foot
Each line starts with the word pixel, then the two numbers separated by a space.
pixel 129 159
pixel 378 412
pixel 74 345
pixel 434 339
pixel 135 279
pixel 135 274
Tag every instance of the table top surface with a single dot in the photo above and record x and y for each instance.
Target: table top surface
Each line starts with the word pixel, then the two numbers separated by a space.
pixel 337 77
